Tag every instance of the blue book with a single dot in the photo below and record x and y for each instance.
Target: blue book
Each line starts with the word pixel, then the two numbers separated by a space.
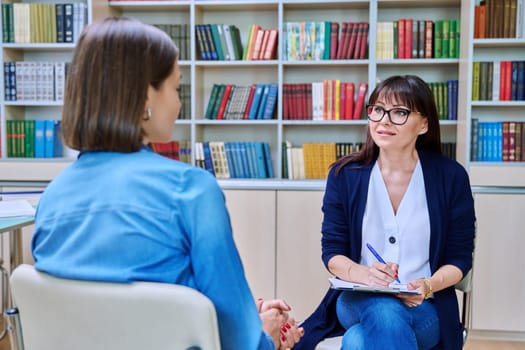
pixel 262 102
pixel 268 160
pixel 208 162
pixel 58 147
pixel 230 159
pixel 251 158
pixel 40 130
pixel 49 139
pixel 271 102
pixel 237 154
pixel 260 160
pixel 256 100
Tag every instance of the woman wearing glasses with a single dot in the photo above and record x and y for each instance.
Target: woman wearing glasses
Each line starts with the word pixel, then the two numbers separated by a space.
pixel 399 195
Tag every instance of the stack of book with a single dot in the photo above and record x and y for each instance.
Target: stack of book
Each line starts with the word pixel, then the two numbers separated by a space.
pixel 242 160
pixel 325 40
pixel 446 97
pixel 229 101
pixel 34 139
pixel 218 42
pixel 326 100
pixel 43 23
pixel 176 150
pixel 497 141
pixel 499 19
pixel 408 38
pixel 498 81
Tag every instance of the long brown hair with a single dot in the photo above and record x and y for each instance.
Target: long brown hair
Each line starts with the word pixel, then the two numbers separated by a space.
pixel 114 63
pixel 413 92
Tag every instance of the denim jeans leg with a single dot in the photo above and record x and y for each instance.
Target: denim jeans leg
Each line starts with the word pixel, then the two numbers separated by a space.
pixel 386 323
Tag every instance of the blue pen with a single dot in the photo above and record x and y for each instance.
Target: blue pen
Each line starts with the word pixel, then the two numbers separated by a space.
pixel 378 257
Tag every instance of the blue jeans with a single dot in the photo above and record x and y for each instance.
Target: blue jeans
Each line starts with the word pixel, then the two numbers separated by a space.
pixel 380 321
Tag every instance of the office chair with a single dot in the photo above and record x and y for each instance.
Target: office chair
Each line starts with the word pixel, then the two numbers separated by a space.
pixel 464 286
pixel 65 314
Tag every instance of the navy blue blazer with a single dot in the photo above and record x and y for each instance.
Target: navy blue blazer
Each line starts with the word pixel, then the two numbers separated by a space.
pixel 452 231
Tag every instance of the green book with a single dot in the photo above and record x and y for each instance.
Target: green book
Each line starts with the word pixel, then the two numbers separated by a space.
pixel 217 40
pixel 452 47
pixel 327 33
pixel 218 99
pixel 29 126
pixel 395 42
pixel 438 38
pixel 445 43
pixel 237 42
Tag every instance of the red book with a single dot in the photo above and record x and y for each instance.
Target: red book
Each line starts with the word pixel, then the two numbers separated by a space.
pixel 249 102
pixel 353 40
pixel 401 38
pixel 429 30
pixel 308 100
pixel 408 37
pixel 342 100
pixel 363 41
pixel 349 100
pixel 505 141
pixel 271 45
pixel 482 22
pixel 326 99
pixel 257 45
pixel 505 80
pixel 224 101
pixel 360 100
pixel 334 39
pixel 342 40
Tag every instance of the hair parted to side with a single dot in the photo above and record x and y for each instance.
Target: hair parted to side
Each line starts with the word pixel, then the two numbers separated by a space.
pixel 114 63
pixel 414 93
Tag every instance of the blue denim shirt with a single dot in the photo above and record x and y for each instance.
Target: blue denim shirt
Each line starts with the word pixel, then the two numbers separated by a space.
pixel 126 217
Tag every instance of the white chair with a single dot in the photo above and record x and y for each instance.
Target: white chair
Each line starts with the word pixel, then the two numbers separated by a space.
pixel 65 314
pixel 464 286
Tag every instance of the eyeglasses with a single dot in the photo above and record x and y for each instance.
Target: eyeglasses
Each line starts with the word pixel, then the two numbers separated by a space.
pixel 397 115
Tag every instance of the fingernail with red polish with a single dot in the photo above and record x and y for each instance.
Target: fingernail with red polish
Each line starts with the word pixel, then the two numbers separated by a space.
pixel 284 329
pixel 287 325
pixel 283 338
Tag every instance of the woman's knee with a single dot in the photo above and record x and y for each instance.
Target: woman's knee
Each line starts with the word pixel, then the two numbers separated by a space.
pixel 353 338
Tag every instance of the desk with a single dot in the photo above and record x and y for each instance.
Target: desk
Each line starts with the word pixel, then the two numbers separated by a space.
pixel 13 225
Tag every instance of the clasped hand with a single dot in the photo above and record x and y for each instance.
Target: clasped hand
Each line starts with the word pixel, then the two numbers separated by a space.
pixel 278 323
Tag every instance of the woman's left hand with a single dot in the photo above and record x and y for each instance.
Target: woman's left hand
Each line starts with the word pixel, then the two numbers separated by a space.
pixel 412 300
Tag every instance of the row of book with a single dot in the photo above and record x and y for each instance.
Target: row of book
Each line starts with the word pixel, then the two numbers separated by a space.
pixel 34 81
pixel 497 141
pixel 313 160
pixel 330 99
pixel 499 19
pixel 446 97
pixel 180 34
pixel 239 160
pixel 230 101
pixel 261 44
pixel 176 150
pixel 43 23
pixel 218 42
pixel 498 81
pixel 324 40
pixel 185 100
pixel 33 139
pixel 411 38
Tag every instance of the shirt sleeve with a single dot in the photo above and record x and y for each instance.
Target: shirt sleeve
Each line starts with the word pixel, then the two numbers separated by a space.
pixel 217 266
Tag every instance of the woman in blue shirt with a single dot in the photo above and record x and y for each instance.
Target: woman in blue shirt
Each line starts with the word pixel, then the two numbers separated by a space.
pixel 415 207
pixel 123 213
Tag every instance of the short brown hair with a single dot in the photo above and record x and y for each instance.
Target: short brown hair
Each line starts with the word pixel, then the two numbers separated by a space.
pixel 114 63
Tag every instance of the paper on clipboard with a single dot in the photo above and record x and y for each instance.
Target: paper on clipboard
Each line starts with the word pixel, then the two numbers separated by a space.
pixel 394 288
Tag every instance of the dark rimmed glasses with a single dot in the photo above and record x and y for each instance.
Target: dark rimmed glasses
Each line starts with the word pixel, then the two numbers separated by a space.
pixel 396 115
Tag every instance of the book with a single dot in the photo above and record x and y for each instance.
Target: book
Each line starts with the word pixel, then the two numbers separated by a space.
pixel 393 288
pixel 360 100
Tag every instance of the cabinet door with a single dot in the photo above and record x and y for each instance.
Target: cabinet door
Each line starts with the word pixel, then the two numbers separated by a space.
pixel 252 216
pixel 302 279
pixel 498 281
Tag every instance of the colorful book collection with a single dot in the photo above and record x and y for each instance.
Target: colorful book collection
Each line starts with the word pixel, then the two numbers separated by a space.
pixel 446 98
pixel 498 81
pixel 500 141
pixel 330 99
pixel 409 38
pixel 33 139
pixel 261 44
pixel 325 40
pixel 241 160
pixel 313 160
pixel 499 19
pixel 180 34
pixel 34 81
pixel 176 150
pixel 229 101
pixel 43 23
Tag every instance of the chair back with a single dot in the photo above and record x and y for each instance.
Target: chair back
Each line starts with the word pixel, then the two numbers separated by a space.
pixel 65 314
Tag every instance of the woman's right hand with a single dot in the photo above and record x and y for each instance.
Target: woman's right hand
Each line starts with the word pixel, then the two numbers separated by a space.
pixel 291 333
